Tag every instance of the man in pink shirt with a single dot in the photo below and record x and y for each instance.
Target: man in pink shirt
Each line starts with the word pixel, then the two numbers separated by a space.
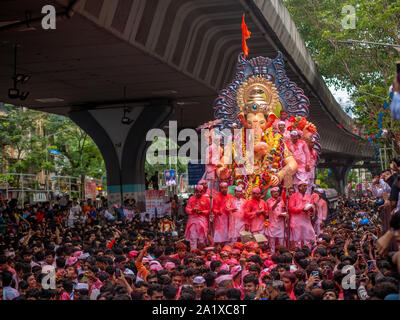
pixel 300 208
pixel 198 209
pixel 221 214
pixel 322 211
pixel 213 155
pixel 282 118
pixel 276 226
pixel 206 190
pixel 237 221
pixel 282 130
pixel 255 211
pixel 313 164
pixel 301 153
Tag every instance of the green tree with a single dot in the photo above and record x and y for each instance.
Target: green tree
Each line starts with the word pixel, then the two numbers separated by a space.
pixel 20 146
pixel 365 71
pixel 163 144
pixel 352 177
pixel 326 178
pixel 27 136
pixel 79 155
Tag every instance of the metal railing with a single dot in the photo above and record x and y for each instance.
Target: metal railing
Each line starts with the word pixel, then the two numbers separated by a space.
pixel 34 188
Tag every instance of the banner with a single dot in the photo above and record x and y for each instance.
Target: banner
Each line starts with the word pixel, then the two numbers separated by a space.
pixel 90 190
pixel 155 203
pixel 170 179
pixel 196 172
pixel 39 197
pixel 167 209
pixel 11 195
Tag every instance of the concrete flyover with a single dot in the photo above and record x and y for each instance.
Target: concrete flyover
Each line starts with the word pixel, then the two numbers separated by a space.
pixel 173 56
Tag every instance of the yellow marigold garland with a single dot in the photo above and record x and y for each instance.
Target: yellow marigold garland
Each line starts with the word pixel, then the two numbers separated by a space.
pixel 270 164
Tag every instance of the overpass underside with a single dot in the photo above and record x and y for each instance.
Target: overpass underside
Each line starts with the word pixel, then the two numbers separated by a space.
pixel 173 56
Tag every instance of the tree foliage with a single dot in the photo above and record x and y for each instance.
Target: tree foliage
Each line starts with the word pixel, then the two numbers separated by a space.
pixel 326 178
pixel 27 137
pixel 161 144
pixel 79 155
pixel 364 70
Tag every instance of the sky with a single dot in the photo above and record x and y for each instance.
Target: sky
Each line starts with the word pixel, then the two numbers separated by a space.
pixel 342 97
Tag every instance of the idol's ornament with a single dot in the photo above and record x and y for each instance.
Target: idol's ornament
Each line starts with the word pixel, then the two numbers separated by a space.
pixel 254 100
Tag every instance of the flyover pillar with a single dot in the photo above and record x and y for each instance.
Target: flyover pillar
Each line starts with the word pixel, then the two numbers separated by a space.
pixel 123 146
pixel 341 173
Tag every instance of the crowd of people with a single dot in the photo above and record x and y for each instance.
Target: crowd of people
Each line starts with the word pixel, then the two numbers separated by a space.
pixel 100 254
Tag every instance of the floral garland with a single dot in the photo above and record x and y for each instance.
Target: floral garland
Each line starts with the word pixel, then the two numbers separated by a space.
pixel 300 123
pixel 271 163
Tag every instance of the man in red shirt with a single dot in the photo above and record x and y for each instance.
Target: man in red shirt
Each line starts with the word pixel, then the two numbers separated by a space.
pixel 255 210
pixel 198 209
pixel 221 214
pixel 39 216
pixel 276 226
pixel 301 206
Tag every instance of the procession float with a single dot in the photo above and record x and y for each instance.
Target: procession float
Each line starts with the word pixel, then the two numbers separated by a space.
pixel 253 102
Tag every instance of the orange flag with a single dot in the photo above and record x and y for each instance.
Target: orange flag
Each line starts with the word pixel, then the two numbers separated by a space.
pixel 245 35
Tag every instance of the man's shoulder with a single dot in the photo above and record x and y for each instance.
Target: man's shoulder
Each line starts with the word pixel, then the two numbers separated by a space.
pixel 10 293
pixel 395 179
pixel 203 196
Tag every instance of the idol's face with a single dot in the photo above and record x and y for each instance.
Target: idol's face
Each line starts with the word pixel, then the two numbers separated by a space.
pixel 256 121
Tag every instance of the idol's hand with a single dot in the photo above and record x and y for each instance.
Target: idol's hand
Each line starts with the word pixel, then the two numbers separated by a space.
pixel 274 181
pixel 261 148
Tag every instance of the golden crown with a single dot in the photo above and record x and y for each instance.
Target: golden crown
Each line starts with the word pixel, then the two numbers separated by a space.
pixel 257 94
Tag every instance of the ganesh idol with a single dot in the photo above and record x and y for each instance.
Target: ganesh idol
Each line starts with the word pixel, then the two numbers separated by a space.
pixel 270 162
pixel 249 107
